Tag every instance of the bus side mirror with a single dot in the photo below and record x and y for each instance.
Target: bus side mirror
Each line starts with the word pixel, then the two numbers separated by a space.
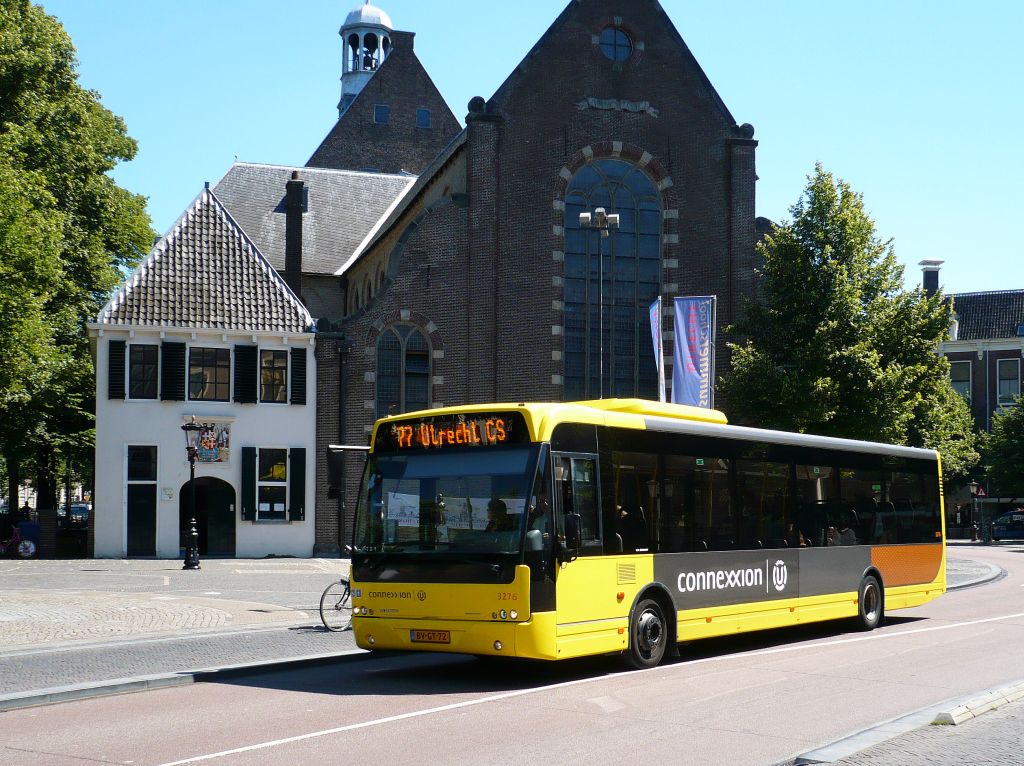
pixel 573 538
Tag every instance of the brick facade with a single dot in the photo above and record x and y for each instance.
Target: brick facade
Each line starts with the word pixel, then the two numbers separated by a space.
pixel 475 259
pixel 357 142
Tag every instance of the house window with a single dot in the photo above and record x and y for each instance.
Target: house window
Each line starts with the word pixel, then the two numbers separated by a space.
pixel 1008 377
pixel 403 371
pixel 143 367
pixel 381 114
pixel 960 375
pixel 422 118
pixel 615 44
pixel 274 376
pixel 610 282
pixel 209 374
pixel 142 464
pixel 272 485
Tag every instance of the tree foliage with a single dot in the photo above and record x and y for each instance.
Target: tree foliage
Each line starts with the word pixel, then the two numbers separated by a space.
pixel 67 232
pixel 836 346
pixel 1003 452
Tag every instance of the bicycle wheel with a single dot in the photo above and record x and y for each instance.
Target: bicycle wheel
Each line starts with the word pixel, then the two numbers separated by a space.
pixel 336 607
pixel 26 549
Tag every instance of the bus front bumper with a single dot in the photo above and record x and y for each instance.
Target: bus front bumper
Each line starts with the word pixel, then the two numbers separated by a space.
pixel 500 639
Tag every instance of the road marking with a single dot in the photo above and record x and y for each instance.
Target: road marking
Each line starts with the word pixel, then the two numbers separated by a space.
pixel 579 682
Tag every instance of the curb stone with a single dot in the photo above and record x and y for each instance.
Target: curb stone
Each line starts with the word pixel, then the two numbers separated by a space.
pixel 943 713
pixel 145 683
pixel 978 705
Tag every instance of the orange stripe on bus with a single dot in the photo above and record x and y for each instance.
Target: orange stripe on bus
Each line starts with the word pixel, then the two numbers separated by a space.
pixel 907 564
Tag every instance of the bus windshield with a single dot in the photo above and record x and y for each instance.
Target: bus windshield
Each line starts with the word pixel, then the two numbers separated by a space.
pixel 458 501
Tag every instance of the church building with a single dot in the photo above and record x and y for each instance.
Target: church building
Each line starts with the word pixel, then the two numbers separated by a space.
pixel 441 264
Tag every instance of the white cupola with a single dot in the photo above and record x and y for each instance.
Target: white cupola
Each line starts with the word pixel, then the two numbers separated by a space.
pixel 366 35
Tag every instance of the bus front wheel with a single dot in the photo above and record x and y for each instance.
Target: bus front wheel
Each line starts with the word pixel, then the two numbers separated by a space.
pixel 870 609
pixel 648 634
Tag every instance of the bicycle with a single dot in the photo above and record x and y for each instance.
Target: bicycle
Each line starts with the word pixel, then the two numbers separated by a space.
pixel 18 546
pixel 336 606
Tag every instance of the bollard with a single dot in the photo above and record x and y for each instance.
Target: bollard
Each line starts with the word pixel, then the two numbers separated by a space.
pixel 192 551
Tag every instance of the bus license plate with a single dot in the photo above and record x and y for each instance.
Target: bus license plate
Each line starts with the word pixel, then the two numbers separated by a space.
pixel 430 636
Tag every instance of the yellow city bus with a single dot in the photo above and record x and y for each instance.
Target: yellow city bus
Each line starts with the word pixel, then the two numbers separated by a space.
pixel 624 526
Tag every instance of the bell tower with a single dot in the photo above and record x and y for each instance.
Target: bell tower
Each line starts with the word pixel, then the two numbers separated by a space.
pixel 366 38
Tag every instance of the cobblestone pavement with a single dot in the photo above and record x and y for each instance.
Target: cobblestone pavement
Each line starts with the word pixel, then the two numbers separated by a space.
pixel 994 738
pixel 32 619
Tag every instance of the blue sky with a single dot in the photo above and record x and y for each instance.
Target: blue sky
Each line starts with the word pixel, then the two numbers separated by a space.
pixel 917 104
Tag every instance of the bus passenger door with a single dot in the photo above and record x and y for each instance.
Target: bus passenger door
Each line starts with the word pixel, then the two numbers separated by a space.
pixel 586 584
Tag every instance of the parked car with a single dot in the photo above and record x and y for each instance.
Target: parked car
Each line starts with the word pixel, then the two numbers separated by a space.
pixel 79 514
pixel 1009 525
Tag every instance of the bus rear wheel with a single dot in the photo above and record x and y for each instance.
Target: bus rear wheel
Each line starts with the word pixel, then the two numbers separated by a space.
pixel 870 608
pixel 648 634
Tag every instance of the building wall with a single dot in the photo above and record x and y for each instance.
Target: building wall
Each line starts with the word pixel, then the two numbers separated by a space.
pixel 984 360
pixel 482 273
pixel 156 423
pixel 567 104
pixel 358 143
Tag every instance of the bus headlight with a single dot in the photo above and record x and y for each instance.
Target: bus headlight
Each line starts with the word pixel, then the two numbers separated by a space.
pixel 504 614
pixel 514 614
pixel 497 646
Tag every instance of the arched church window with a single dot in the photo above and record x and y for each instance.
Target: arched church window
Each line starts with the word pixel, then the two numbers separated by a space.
pixel 368 289
pixel 403 370
pixel 610 283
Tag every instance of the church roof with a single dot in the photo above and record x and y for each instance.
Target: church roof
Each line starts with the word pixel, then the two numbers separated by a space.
pixel 205 273
pixel 343 207
pixel 405 200
pixel 367 15
pixel 989 315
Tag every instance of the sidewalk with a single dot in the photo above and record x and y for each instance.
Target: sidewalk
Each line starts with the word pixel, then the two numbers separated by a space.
pixel 79 628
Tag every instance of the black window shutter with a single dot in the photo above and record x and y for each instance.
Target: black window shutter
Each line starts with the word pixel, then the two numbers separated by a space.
pixel 172 372
pixel 115 370
pixel 297 484
pixel 298 386
pixel 247 374
pixel 248 484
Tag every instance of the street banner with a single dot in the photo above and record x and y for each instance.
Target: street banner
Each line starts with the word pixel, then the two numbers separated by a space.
pixel 693 367
pixel 659 350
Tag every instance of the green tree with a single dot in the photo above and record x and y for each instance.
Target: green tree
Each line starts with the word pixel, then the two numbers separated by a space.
pixel 67 233
pixel 1003 452
pixel 835 346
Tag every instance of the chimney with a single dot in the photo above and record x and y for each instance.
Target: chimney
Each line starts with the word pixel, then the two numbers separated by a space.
pixel 293 205
pixel 402 41
pixel 930 282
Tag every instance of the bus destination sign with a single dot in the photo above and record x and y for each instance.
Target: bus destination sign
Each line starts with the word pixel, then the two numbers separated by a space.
pixel 457 431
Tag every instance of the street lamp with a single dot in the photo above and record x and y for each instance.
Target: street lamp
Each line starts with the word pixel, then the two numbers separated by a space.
pixel 192 430
pixel 603 222
pixel 986 533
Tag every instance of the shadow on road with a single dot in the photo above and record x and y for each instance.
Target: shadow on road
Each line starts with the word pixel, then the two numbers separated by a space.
pixel 403 673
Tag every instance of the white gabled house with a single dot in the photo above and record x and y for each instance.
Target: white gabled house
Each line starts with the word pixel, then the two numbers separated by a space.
pixel 205 327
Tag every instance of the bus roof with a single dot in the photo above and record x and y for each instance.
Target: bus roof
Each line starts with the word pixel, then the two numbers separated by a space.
pixel 642 414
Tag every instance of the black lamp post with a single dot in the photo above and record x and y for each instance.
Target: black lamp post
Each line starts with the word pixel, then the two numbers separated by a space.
pixel 603 222
pixel 192 430
pixel 986 529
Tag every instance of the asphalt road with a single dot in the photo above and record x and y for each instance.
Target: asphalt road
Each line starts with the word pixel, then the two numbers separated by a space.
pixel 758 699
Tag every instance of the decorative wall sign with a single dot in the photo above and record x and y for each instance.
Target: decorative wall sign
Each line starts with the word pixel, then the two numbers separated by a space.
pixel 214 443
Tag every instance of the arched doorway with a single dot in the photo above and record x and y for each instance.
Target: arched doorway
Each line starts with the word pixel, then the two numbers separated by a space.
pixel 214 515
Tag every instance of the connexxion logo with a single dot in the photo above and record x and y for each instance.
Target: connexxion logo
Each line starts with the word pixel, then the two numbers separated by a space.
pixel 723 579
